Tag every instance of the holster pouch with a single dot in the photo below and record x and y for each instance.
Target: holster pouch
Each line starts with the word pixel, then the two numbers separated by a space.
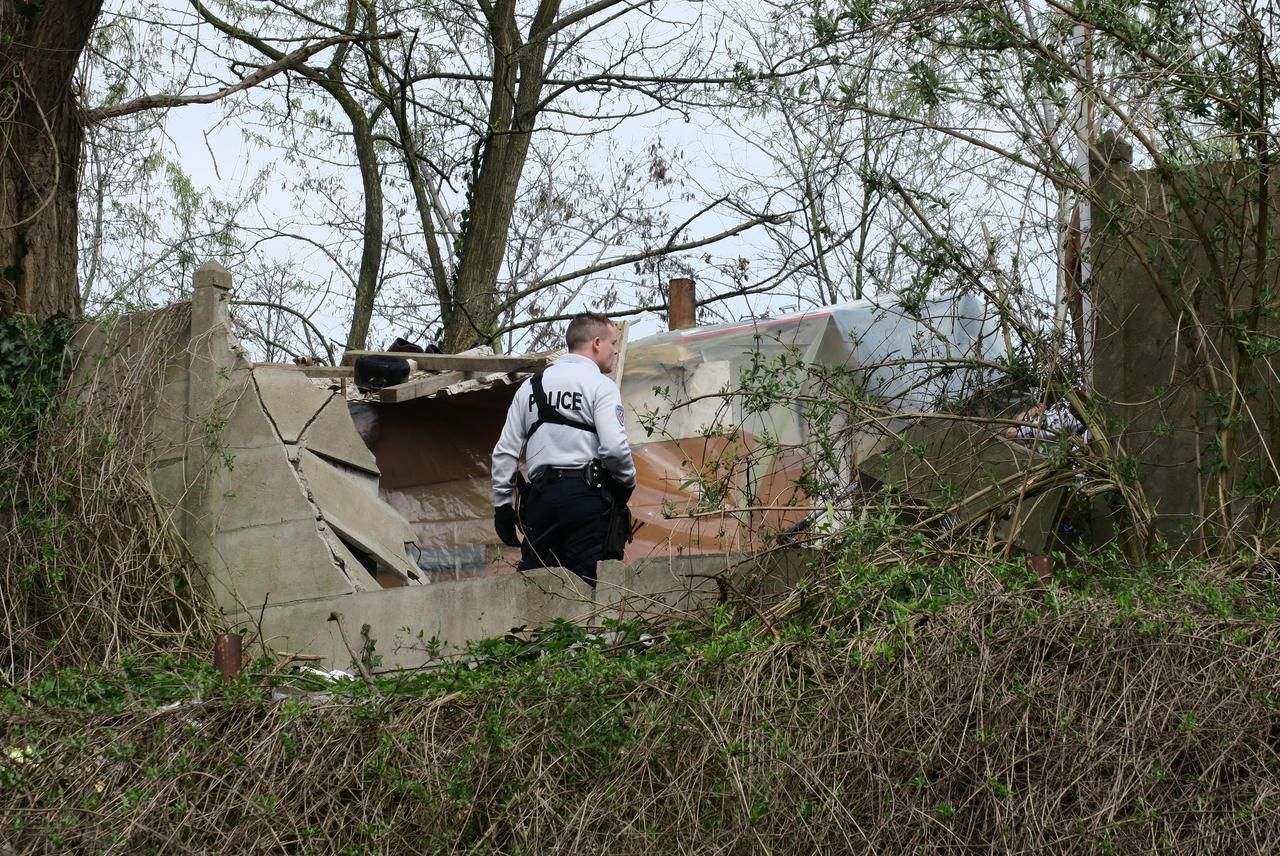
pixel 523 488
pixel 619 533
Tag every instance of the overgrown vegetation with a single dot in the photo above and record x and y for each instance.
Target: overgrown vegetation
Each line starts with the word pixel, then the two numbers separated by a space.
pixel 903 706
pixel 90 567
pixel 924 688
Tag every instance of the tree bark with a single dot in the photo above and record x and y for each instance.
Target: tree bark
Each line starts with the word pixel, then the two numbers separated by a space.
pixel 519 72
pixel 41 133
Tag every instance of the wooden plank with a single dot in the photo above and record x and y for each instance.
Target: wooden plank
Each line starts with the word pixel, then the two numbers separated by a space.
pixel 620 364
pixel 459 362
pixel 311 371
pixel 420 387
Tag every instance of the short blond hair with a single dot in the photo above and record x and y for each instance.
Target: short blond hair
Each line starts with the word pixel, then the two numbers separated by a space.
pixel 584 327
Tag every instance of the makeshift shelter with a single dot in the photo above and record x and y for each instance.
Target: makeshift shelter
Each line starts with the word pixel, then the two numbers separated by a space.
pixel 687 419
pixel 696 403
pixel 319 511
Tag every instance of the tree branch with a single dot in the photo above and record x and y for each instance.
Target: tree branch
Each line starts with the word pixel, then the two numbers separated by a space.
pixel 639 310
pixel 333 360
pixel 284 63
pixel 669 247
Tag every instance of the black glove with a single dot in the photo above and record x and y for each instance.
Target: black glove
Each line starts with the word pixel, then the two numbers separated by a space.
pixel 504 523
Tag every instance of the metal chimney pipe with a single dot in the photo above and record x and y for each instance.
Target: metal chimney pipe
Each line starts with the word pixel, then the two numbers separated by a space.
pixel 682 305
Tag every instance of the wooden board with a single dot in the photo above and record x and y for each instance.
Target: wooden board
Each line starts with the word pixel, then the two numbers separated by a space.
pixel 620 365
pixel 327 371
pixel 459 362
pixel 312 371
pixel 420 387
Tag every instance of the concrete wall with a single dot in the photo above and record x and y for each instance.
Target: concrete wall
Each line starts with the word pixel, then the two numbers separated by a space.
pixel 411 627
pixel 266 478
pixel 1154 282
pixel 262 472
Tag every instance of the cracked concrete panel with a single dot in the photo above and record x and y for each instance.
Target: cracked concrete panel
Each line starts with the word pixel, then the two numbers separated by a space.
pixel 351 567
pixel 973 470
pixel 247 425
pixel 333 434
pixel 285 562
pixel 366 521
pixel 362 477
pixel 290 399
pixel 262 488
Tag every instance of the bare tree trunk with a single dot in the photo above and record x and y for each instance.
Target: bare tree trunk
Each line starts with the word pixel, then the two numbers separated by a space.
pixel 367 283
pixel 41 132
pixel 519 72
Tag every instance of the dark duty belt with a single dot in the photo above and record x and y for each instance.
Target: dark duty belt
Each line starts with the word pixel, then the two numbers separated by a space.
pixel 550 473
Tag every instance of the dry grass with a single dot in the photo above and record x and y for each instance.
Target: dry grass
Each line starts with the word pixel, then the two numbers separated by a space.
pixel 997 724
pixel 1006 721
pixel 89 567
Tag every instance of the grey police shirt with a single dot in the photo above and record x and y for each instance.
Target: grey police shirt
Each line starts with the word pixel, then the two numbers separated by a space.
pixel 574 386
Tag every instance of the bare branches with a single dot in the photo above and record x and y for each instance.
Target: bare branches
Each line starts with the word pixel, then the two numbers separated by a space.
pixel 670 247
pixel 307 322
pixel 286 62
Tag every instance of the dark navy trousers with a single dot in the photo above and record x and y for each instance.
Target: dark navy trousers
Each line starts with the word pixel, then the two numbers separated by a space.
pixel 565 523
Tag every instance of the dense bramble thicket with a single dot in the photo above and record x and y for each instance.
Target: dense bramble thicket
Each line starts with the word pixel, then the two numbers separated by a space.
pixel 90 568
pixel 903 706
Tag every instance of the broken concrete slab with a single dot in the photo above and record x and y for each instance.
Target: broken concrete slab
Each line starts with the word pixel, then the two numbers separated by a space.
pixel 333 434
pixel 247 425
pixel 276 563
pixel 363 520
pixel 291 401
pixel 353 570
pixel 263 488
pixel 969 470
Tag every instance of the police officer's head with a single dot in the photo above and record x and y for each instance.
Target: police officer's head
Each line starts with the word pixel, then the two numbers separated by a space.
pixel 594 337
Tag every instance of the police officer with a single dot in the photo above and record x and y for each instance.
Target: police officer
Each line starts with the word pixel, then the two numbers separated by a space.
pixel 569 422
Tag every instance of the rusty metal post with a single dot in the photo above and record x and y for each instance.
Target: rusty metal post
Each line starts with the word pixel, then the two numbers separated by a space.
pixel 1044 566
pixel 682 305
pixel 227 656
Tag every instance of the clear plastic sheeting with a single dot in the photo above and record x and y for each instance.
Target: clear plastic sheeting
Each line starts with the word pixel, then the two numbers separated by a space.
pixel 909 361
pixel 690 422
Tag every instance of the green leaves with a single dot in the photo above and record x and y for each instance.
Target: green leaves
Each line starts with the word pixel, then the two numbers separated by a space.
pixel 32 362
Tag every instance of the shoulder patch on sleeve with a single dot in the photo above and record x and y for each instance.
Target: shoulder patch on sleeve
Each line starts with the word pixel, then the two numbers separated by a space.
pixel 620 413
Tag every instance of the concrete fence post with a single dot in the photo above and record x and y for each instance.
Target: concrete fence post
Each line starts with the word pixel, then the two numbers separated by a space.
pixel 209 361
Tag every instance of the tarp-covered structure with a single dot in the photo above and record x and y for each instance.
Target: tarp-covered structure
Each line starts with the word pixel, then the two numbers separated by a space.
pixel 727 400
pixel 328 519
pixel 706 450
